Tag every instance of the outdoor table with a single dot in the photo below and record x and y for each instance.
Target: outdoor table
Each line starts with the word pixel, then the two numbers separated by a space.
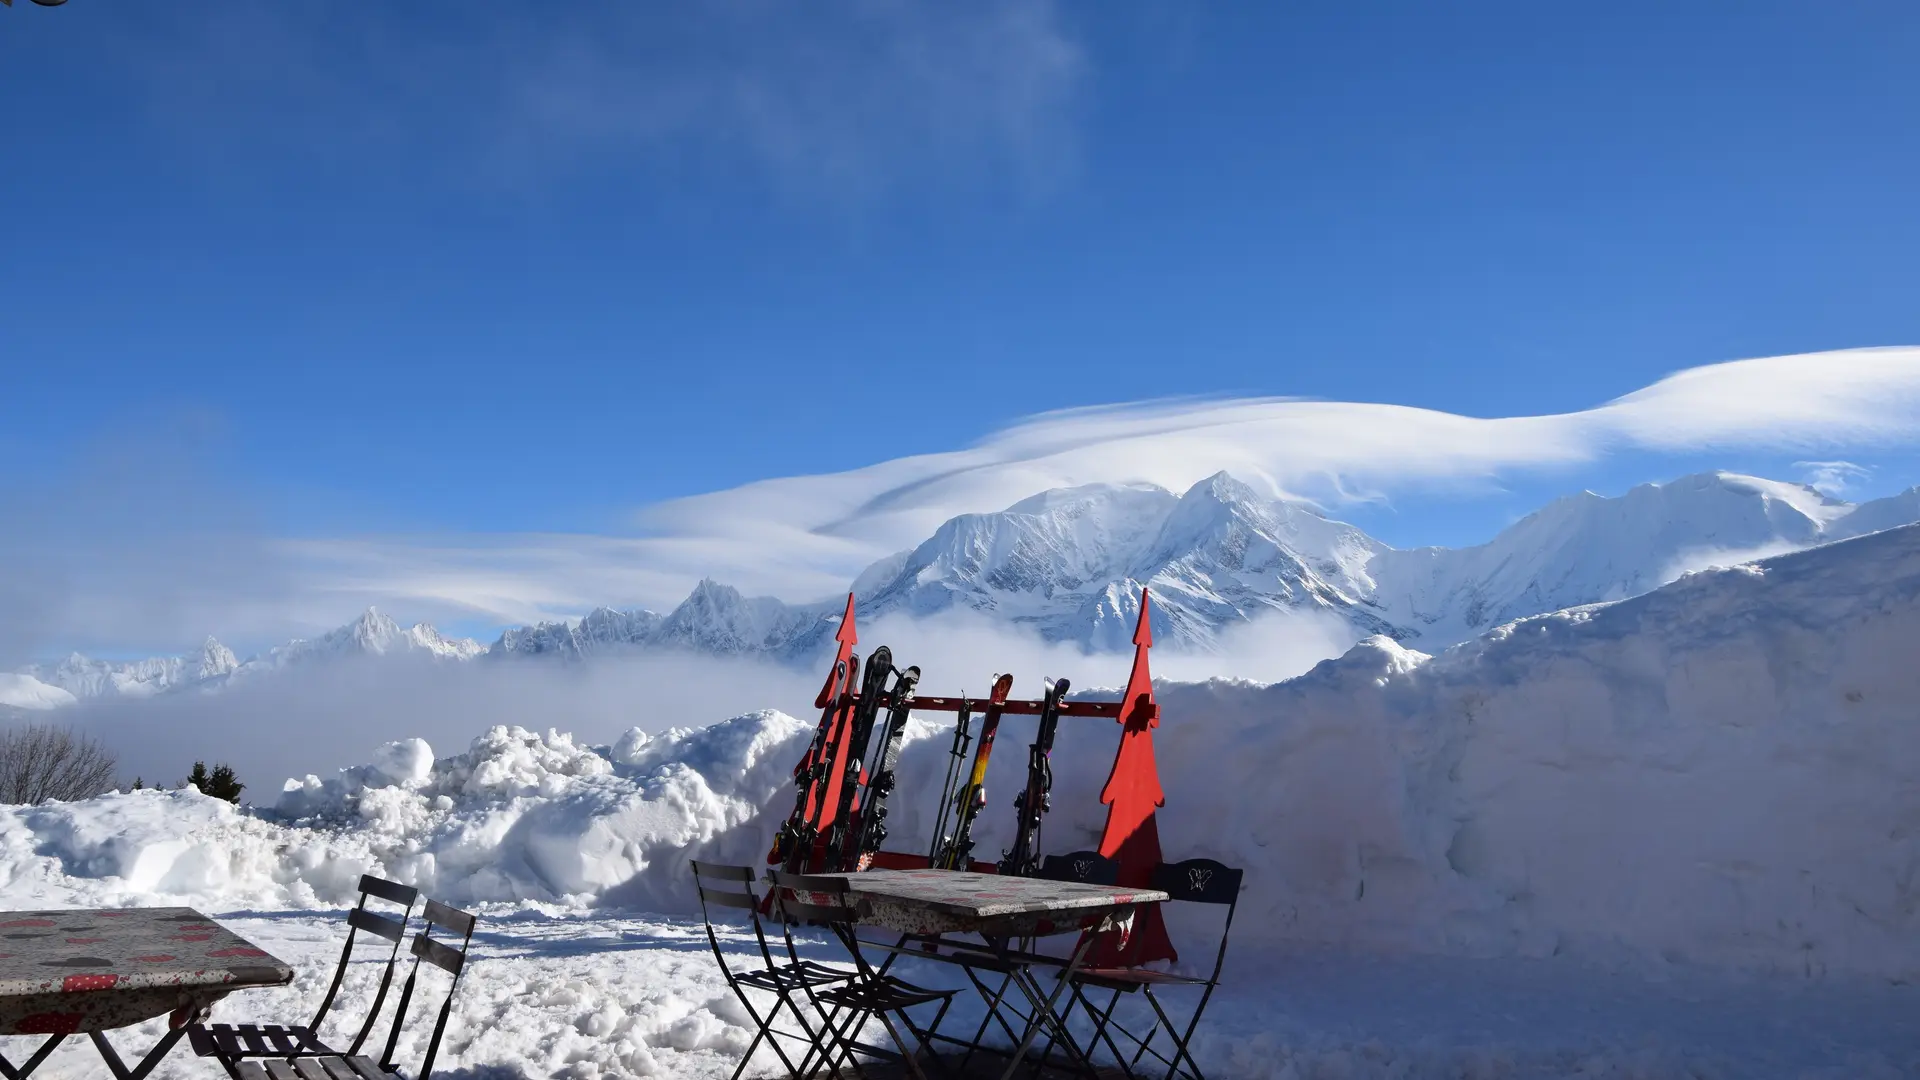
pixel 70 972
pixel 930 904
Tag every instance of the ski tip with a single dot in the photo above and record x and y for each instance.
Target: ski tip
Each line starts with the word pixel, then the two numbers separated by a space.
pixel 847 635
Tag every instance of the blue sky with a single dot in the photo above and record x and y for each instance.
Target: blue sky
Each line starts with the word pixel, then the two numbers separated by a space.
pixel 458 270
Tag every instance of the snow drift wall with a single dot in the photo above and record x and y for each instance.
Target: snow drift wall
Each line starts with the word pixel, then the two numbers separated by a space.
pixel 1724 772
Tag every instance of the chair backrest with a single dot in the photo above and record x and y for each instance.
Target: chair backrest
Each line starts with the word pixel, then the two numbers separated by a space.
pixel 790 907
pixel 447 957
pixel 1203 881
pixel 385 926
pixel 1090 867
pixel 722 886
pixel 1198 881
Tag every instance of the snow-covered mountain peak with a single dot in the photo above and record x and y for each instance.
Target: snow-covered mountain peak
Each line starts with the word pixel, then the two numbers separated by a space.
pixel 215 660
pixel 1093 499
pixel 372 632
pixel 375 634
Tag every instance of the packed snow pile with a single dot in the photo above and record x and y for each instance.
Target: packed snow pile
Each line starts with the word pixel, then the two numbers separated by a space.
pixel 1724 773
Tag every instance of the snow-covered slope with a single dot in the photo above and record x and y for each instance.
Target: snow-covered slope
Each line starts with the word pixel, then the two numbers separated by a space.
pixel 1585 549
pixel 27 692
pixel 1724 772
pixel 1063 561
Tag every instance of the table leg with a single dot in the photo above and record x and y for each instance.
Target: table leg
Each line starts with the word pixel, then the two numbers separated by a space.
pixel 40 1055
pixel 1044 1013
pixel 140 1071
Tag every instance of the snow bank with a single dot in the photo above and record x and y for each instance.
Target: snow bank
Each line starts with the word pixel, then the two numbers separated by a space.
pixel 1722 773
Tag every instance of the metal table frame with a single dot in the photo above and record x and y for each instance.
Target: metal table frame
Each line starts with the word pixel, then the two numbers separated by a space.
pixel 1017 969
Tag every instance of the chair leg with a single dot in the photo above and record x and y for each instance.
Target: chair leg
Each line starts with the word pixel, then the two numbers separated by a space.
pixel 844 1034
pixel 1179 1043
pixel 925 1036
pixel 1101 1021
pixel 994 1001
pixel 821 1043
pixel 763 1031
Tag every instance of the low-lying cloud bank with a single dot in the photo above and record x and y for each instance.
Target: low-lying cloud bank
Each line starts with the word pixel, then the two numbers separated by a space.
pixel 323 716
pixel 1723 772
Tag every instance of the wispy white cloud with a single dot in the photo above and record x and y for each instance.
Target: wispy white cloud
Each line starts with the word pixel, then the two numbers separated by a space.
pixel 805 537
pixel 1831 478
pixel 837 100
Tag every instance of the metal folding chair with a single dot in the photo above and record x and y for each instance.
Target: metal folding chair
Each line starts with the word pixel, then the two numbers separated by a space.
pixel 870 993
pixel 234 1043
pixel 787 980
pixel 1195 881
pixel 440 954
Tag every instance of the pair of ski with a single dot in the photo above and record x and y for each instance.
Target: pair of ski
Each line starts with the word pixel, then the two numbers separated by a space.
pixel 858 825
pixel 953 851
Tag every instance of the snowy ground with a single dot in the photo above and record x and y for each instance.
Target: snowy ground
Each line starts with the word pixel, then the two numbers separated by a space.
pixel 584 996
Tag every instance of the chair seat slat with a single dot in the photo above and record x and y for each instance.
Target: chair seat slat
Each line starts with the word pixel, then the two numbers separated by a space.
pixel 280 1070
pixel 310 1069
pixel 251 1070
pixel 338 1069
pixel 368 1068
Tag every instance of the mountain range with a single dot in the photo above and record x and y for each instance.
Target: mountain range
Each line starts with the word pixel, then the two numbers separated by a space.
pixel 1068 564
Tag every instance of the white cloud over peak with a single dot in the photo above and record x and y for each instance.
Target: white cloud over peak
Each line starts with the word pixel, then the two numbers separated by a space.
pixel 1330 452
pixel 804 538
pixel 1831 478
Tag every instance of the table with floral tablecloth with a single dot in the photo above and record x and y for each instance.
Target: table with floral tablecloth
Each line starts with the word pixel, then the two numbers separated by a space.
pixel 86 971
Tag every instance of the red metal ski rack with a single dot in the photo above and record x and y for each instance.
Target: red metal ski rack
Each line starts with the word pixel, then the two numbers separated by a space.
pixel 1132 792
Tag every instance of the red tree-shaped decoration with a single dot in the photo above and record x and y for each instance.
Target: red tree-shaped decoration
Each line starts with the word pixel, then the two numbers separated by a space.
pixel 1133 796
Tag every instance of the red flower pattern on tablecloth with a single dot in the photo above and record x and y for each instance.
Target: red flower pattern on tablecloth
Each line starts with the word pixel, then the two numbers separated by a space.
pixel 76 983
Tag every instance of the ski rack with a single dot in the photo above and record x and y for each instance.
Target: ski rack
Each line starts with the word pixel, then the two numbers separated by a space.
pixel 1132 792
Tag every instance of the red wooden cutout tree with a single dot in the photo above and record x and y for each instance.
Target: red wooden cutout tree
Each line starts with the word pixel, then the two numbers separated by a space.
pixel 1133 795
